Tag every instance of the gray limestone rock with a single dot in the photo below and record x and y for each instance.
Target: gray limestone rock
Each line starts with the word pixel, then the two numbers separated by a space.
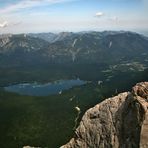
pixel 117 122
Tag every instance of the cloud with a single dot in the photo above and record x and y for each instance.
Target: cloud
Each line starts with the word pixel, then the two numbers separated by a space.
pixel 4 24
pixel 24 4
pixel 99 14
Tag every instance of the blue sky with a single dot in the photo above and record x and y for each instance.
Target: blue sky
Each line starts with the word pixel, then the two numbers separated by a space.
pixel 22 16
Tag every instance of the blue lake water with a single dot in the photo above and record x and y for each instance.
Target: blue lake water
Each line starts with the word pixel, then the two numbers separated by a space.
pixel 36 89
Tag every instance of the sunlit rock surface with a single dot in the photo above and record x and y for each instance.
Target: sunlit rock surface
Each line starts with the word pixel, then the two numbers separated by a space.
pixel 117 122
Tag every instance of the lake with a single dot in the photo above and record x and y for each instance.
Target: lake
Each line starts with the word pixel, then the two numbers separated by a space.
pixel 37 89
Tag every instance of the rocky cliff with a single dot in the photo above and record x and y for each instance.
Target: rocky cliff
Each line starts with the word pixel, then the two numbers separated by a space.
pixel 117 122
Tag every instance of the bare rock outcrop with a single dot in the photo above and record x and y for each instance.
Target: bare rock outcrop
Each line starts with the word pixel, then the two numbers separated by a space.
pixel 117 122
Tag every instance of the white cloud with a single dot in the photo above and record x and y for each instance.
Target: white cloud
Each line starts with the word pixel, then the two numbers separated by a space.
pixel 99 14
pixel 3 24
pixel 6 24
pixel 24 4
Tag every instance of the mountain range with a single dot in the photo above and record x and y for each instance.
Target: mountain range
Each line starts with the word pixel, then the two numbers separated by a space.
pixel 67 55
pixel 67 47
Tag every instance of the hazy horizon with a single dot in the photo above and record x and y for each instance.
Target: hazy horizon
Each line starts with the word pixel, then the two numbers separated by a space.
pixel 145 33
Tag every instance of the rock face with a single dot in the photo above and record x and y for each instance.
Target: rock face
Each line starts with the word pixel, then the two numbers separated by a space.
pixel 117 122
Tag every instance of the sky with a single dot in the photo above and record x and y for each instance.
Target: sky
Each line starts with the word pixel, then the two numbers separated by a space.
pixel 24 16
